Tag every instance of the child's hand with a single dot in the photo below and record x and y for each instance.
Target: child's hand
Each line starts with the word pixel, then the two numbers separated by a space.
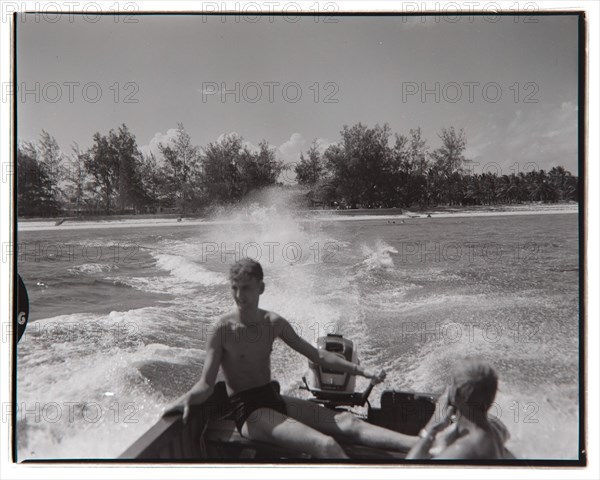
pixel 173 409
pixel 376 377
pixel 442 414
pixel 193 399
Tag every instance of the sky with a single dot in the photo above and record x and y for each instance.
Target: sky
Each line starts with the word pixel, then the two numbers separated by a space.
pixel 510 84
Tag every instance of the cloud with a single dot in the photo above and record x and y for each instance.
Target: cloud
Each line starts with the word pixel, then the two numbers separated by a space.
pixel 288 152
pixel 533 136
pixel 546 136
pixel 159 138
pixel 323 144
pixel 245 143
pixel 291 149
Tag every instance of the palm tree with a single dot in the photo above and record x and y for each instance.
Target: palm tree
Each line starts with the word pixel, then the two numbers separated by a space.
pixel 473 192
pixel 560 179
pixel 542 188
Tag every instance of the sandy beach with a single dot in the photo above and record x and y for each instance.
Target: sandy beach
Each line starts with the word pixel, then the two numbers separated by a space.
pixel 328 215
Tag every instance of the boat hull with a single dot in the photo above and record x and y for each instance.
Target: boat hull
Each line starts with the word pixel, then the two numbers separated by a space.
pixel 207 437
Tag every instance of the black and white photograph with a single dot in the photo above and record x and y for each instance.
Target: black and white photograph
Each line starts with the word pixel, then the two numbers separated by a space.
pixel 280 235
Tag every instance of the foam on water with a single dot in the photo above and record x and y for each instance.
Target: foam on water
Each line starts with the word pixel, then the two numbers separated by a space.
pixel 380 256
pixel 155 284
pixel 93 268
pixel 184 269
pixel 87 377
pixel 268 232
pixel 525 356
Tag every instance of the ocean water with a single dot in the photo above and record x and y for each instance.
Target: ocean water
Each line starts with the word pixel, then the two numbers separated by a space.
pixel 119 315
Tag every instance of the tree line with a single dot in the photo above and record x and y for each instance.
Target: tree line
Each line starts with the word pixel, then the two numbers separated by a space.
pixel 364 169
pixel 113 176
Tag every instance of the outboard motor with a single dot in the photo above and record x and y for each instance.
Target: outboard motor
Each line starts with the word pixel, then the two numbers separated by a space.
pixel 331 387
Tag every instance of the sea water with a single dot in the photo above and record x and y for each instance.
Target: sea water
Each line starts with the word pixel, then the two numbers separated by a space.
pixel 119 315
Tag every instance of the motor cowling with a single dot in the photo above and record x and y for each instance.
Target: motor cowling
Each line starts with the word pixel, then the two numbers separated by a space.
pixel 327 383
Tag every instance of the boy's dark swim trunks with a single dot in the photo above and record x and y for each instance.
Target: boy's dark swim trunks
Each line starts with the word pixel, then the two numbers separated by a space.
pixel 242 404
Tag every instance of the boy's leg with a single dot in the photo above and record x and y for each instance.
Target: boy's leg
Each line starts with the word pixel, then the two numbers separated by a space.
pixel 270 426
pixel 345 426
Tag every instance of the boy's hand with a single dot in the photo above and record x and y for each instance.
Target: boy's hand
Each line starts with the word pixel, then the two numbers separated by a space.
pixel 376 377
pixel 192 400
pixel 186 410
pixel 181 408
pixel 442 414
pixel 174 409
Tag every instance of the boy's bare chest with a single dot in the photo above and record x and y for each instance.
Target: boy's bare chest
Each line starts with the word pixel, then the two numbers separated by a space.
pixel 248 342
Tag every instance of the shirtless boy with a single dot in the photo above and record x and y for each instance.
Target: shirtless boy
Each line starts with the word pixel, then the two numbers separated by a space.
pixel 241 344
pixel 461 427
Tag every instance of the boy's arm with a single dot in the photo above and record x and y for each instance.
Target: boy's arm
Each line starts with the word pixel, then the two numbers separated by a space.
pixel 322 357
pixel 203 389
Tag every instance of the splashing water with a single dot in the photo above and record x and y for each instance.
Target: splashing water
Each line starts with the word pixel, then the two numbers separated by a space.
pixel 413 315
pixel 379 257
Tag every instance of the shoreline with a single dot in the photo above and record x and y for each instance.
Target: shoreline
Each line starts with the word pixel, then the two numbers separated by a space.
pixel 172 220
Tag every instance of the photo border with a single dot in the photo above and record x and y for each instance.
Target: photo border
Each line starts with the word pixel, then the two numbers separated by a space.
pixel 584 262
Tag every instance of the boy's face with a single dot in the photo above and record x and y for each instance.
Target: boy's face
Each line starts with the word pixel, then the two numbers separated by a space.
pixel 246 291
